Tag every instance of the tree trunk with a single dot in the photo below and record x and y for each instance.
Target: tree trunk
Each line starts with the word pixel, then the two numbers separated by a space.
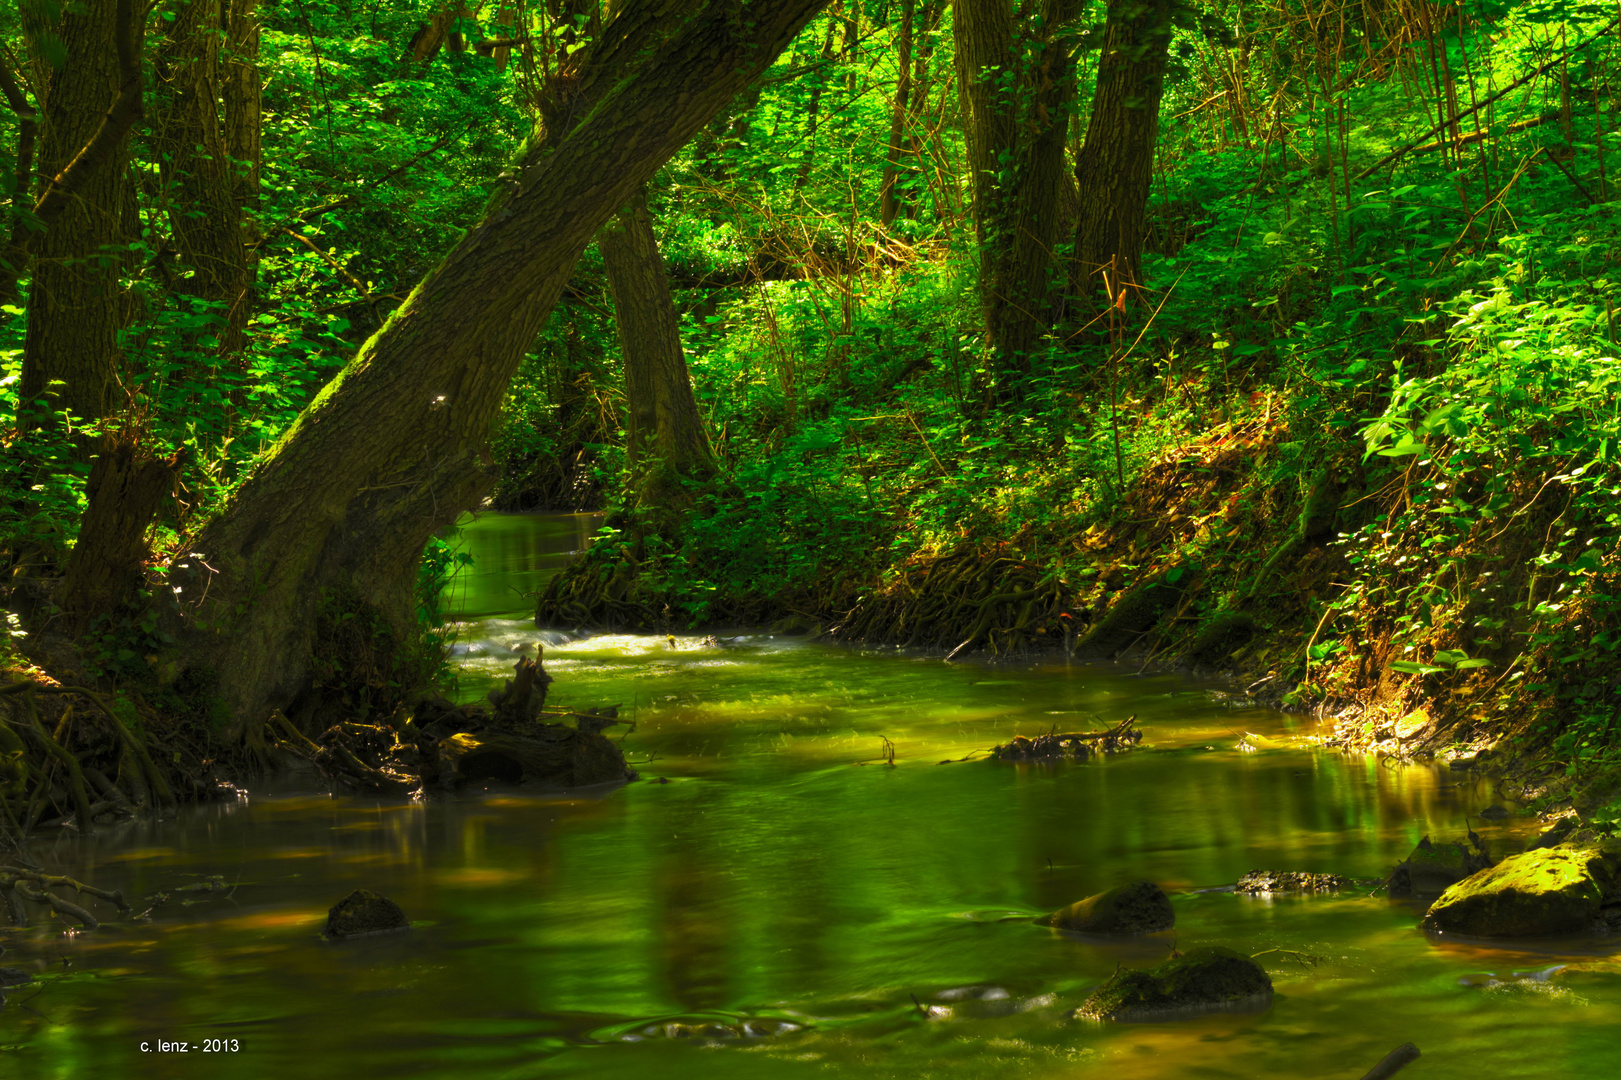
pixel 126 489
pixel 505 26
pixel 13 262
pixel 394 448
pixel 664 432
pixel 1016 88
pixel 242 92
pixel 813 110
pixel 1114 169
pixel 196 169
pixel 896 149
pixel 73 310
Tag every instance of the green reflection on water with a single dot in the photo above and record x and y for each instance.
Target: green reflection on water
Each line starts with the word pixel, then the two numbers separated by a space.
pixel 773 877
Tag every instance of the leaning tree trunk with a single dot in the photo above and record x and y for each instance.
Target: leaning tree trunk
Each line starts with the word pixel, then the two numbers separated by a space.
pixel 395 447
pixel 196 169
pixel 1016 88
pixel 1114 169
pixel 70 351
pixel 665 436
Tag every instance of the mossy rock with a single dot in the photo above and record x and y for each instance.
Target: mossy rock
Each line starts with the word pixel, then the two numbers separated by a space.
pixel 1223 634
pixel 1538 892
pixel 364 912
pixel 1138 908
pixel 1205 980
pixel 1127 620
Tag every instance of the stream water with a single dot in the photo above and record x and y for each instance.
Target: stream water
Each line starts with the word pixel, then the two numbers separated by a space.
pixel 806 908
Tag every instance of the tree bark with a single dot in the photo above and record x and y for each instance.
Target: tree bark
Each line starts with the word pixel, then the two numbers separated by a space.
pixel 1114 170
pixel 899 114
pixel 395 447
pixel 665 433
pixel 195 165
pixel 126 489
pixel 70 351
pixel 13 262
pixel 242 92
pixel 1016 84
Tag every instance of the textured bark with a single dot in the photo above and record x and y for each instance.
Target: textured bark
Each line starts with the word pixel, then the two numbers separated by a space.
pixel 242 92
pixel 195 165
pixel 665 426
pixel 73 311
pixel 127 486
pixel 13 260
pixel 1114 169
pixel 1016 84
pixel 395 447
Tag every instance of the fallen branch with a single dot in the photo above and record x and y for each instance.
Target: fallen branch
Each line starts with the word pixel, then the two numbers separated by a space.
pixel 1393 1062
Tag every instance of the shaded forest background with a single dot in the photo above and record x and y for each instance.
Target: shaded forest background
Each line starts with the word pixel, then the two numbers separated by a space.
pixel 1318 385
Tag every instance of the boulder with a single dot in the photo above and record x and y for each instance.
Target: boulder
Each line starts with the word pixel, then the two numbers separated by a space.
pixel 1537 892
pixel 1205 980
pixel 1431 868
pixel 364 912
pixel 1138 908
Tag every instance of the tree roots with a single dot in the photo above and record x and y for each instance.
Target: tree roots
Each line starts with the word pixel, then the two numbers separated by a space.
pixel 55 754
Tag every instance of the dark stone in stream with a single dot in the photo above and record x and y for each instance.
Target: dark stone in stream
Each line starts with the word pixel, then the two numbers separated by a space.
pixel 1203 981
pixel 364 912
pixel 1431 868
pixel 552 754
pixel 1262 882
pixel 1494 813
pixel 1139 908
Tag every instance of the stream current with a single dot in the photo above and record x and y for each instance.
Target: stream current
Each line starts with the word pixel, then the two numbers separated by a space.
pixel 787 904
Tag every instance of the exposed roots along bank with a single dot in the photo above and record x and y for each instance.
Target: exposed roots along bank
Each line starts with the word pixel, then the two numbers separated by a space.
pixel 71 752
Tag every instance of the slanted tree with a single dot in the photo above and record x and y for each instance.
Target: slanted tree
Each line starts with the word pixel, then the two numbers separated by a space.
pixel 1016 83
pixel 395 447
pixel 665 437
pixel 1114 168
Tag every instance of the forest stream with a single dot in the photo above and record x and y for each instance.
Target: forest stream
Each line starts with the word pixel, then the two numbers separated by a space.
pixel 774 899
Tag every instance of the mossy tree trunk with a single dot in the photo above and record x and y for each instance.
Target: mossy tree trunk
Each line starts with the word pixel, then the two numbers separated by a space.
pixel 1114 168
pixel 395 447
pixel 1016 84
pixel 665 436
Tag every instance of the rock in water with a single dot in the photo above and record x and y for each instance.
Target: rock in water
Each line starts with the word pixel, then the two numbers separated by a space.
pixel 1205 980
pixel 364 912
pixel 1542 891
pixel 1139 908
pixel 1433 867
